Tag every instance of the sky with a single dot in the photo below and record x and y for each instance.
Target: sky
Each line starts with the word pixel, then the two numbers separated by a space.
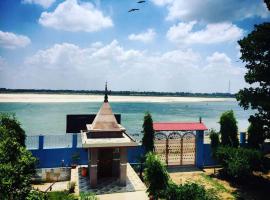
pixel 167 45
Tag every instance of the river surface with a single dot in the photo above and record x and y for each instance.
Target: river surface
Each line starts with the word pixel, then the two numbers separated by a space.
pixel 50 118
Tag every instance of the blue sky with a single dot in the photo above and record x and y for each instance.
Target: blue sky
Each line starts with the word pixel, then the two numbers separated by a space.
pixel 168 45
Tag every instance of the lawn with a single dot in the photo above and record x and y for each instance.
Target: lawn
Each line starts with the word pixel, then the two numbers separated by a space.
pixel 64 195
pixel 61 196
pixel 257 188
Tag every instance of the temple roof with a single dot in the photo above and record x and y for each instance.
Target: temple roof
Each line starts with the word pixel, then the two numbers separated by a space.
pixel 125 141
pixel 105 131
pixel 179 126
pixel 105 120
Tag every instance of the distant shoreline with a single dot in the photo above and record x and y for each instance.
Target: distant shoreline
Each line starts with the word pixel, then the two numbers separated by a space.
pixel 55 98
pixel 117 93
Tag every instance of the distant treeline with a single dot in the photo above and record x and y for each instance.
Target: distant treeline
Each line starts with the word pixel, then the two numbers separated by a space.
pixel 121 93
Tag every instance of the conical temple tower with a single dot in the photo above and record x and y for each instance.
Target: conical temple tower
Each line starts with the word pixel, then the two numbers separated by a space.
pixel 106 140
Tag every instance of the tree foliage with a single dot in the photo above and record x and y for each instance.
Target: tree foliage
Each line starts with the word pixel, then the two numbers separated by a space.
pixel 36 195
pixel 14 127
pixel 17 165
pixel 189 191
pixel 255 50
pixel 239 163
pixel 215 142
pixel 228 129
pixel 255 135
pixel 214 137
pixel 155 175
pixel 148 133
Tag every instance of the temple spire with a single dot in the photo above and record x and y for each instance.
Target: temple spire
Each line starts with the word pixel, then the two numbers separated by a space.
pixel 106 93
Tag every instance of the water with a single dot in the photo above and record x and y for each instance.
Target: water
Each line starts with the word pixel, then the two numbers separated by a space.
pixel 50 118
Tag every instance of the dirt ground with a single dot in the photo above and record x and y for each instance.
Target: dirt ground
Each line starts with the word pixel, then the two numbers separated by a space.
pixel 222 189
pixel 257 190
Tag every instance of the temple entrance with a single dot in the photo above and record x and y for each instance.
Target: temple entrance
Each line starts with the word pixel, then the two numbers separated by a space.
pixel 105 162
pixel 176 148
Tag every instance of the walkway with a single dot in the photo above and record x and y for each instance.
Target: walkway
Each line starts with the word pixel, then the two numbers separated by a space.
pixel 138 195
pixel 111 185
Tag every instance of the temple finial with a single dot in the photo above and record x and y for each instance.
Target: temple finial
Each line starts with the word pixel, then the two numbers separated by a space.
pixel 106 93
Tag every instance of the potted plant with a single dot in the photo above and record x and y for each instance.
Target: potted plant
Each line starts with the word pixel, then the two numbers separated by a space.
pixel 75 160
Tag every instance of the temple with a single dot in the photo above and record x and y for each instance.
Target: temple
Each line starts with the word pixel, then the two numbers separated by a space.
pixel 107 143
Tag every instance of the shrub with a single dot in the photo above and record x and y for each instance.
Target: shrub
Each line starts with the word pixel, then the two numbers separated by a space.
pixel 148 133
pixel 36 195
pixel 255 135
pixel 229 129
pixel 17 167
pixel 188 191
pixel 155 175
pixel 214 137
pixel 10 122
pixel 239 162
pixel 88 196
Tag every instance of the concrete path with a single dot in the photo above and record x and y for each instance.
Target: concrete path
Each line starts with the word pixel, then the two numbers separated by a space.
pixel 57 186
pixel 74 178
pixel 138 195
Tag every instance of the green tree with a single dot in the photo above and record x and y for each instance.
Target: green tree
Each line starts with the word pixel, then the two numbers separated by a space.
pixel 255 50
pixel 12 124
pixel 36 195
pixel 255 135
pixel 215 142
pixel 239 163
pixel 155 175
pixel 228 129
pixel 17 166
pixel 148 133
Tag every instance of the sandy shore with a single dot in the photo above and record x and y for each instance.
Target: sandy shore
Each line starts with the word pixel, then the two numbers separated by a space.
pixel 39 98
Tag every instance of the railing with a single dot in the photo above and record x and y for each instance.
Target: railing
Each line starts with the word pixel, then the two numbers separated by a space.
pixel 57 141
pixel 54 141
pixel 32 142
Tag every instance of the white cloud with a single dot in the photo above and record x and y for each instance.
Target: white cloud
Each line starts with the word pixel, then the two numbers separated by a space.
pixel 10 40
pixel 147 36
pixel 73 16
pixel 2 63
pixel 70 66
pixel 43 3
pixel 183 33
pixel 238 50
pixel 213 10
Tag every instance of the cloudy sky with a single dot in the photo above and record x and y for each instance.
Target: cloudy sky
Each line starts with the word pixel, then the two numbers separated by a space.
pixel 168 45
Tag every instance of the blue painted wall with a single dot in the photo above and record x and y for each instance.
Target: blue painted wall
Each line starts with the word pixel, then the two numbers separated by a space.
pixel 199 149
pixel 207 156
pixel 53 157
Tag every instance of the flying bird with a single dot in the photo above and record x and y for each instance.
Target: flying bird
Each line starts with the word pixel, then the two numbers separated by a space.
pixel 141 2
pixel 133 9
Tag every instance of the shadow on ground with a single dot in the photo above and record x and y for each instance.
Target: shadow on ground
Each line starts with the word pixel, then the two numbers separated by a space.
pixel 255 187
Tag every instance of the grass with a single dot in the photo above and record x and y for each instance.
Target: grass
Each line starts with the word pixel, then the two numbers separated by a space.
pixel 218 186
pixel 61 196
pixel 64 195
pixel 88 196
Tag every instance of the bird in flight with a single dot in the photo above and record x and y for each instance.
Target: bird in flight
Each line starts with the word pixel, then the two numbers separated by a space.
pixel 133 9
pixel 141 2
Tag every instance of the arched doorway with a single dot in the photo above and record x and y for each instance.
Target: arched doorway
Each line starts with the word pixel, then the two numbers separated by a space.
pixel 176 148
